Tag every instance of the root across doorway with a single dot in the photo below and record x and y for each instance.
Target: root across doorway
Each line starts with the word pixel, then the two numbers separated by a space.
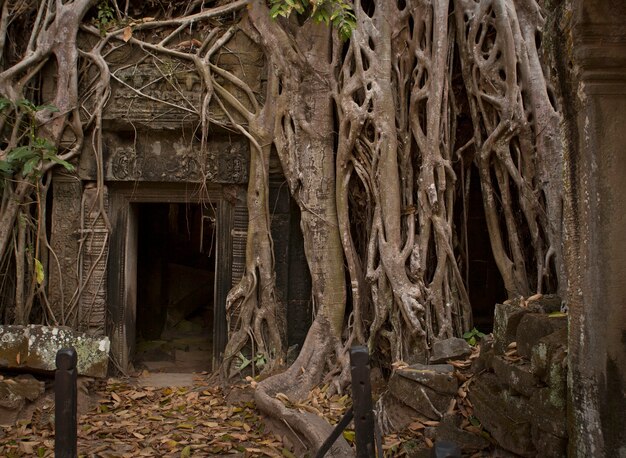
pixel 176 251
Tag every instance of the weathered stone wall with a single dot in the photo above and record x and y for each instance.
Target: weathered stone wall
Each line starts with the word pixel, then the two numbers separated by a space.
pixel 591 45
pixel 521 397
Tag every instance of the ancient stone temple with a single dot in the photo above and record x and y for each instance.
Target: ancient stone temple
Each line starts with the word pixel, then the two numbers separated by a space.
pixel 172 242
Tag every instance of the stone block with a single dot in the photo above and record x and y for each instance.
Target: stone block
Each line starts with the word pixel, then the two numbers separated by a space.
pixel 8 399
pixel 547 303
pixel 484 360
pixel 25 385
pixel 534 326
pixel 551 446
pixel 506 319
pixel 448 430
pixel 449 349
pixel 439 377
pixel 548 357
pixel 14 392
pixel 35 347
pixel 420 398
pixel 518 376
pixel 547 413
pixel 504 415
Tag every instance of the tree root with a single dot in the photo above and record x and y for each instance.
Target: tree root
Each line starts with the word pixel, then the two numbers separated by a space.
pixel 304 374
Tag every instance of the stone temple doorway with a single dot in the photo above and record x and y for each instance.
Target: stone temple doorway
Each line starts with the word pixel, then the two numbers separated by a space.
pixel 170 268
pixel 176 263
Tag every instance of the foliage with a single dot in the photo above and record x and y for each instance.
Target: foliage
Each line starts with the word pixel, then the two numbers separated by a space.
pixel 472 337
pixel 258 361
pixel 37 150
pixel 339 13
pixel 105 17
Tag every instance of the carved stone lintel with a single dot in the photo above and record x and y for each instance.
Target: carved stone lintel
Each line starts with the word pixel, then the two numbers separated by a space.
pixel 162 159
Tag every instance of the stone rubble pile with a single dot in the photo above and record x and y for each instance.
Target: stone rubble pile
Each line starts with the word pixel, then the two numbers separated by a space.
pixel 520 398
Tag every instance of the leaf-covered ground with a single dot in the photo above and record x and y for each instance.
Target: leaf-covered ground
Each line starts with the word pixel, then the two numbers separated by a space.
pixel 129 420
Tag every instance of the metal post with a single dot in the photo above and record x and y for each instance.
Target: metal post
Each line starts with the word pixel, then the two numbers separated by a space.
pixel 362 402
pixel 65 392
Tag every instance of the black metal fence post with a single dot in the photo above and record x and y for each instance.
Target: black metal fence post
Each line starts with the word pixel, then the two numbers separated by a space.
pixel 362 402
pixel 65 392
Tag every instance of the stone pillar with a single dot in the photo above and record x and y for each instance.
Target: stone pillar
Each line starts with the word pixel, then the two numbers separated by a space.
pixel 64 240
pixel 94 256
pixel 595 221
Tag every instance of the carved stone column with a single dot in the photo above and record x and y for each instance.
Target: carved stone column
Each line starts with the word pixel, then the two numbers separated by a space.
pixel 63 261
pixel 94 255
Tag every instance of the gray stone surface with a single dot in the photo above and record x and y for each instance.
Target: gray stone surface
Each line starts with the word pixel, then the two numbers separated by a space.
pixel 504 416
pixel 548 351
pixel 551 446
pixel 595 205
pixel 534 326
pixel 505 322
pixel 439 377
pixel 8 399
pixel 448 430
pixel 547 303
pixel 25 385
pixel 35 347
pixel 420 398
pixel 547 413
pixel 14 392
pixel 449 349
pixel 518 376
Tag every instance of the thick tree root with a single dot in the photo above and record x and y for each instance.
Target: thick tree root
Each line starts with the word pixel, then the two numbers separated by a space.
pixel 305 373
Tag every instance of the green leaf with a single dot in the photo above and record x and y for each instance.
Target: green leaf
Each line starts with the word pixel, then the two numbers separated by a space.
pixel 557 315
pixel 474 421
pixel 275 10
pixel 21 153
pixel 472 341
pixel 4 103
pixel 243 361
pixel 5 167
pixel 54 158
pixel 186 452
pixel 27 104
pixel 39 273
pixel 48 107
pixel 30 165
pixel 468 334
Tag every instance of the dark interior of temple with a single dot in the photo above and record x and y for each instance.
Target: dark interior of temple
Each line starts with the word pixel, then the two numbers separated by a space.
pixel 175 286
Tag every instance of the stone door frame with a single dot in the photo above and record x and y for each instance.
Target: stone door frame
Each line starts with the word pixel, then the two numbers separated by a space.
pixel 122 263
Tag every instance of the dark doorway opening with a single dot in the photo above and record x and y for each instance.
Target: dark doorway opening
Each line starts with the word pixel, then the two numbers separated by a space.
pixel 176 252
pixel 485 283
